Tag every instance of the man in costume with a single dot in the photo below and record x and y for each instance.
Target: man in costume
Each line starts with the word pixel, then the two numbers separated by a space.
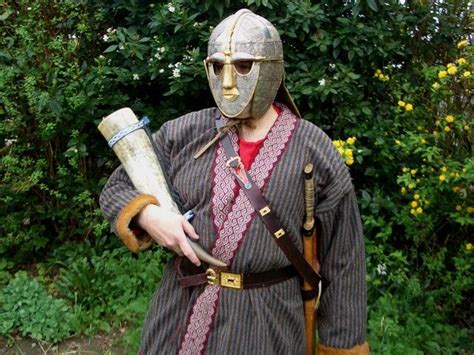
pixel 245 73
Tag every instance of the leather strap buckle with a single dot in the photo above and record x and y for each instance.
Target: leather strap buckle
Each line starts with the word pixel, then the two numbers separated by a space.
pixel 233 162
pixel 212 277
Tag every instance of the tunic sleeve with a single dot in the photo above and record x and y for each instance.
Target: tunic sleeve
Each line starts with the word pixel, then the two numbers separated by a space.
pixel 342 314
pixel 120 202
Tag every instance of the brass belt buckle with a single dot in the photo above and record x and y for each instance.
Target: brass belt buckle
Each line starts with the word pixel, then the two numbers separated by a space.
pixel 231 280
pixel 212 277
pixel 224 279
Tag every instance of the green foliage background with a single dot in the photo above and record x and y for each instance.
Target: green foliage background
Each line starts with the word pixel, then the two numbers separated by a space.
pixel 66 64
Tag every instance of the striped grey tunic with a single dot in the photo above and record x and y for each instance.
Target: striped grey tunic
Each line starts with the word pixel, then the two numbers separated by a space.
pixel 208 319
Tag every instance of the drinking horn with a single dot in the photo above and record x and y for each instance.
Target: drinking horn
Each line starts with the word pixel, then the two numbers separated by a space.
pixel 132 145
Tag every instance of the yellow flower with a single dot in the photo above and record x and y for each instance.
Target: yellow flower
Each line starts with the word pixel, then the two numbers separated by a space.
pixel 409 107
pixel 469 246
pixel 405 170
pixel 442 177
pixel 414 204
pixel 419 210
pixel 444 169
pixel 437 122
pixel 449 118
pixel 413 211
pixel 452 70
pixel 397 142
pixel 442 74
pixel 423 141
pixel 435 133
pixel 456 189
pixel 348 153
pixel 449 65
pixel 466 74
pixel 461 61
pixel 416 197
pixel 435 86
pixel 458 208
pixel 350 161
pixel 462 44
pixel 351 140
pixel 411 186
pixel 470 210
pixel 401 103
pixel 452 174
pixel 403 190
pixel 466 127
pixel 378 72
pixel 413 171
pixel 447 129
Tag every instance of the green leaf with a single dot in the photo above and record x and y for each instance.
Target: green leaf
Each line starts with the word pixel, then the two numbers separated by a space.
pixel 5 15
pixel 366 110
pixel 5 55
pixel 373 5
pixel 111 48
pixel 350 55
pixel 121 35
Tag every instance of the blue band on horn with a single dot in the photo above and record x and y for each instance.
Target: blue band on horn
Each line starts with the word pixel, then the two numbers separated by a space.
pixel 127 130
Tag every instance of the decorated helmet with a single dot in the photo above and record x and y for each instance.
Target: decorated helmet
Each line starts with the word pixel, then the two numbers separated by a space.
pixel 244 66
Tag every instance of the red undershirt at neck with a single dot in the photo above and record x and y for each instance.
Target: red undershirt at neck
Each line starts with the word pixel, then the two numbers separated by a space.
pixel 249 150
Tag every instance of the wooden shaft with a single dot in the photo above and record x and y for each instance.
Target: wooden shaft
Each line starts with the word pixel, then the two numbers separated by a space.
pixel 310 256
pixel 309 200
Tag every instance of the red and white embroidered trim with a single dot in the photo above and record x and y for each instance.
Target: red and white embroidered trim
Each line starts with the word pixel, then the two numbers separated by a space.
pixel 223 190
pixel 200 322
pixel 232 220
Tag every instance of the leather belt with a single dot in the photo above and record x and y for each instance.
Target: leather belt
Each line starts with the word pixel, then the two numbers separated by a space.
pixel 195 276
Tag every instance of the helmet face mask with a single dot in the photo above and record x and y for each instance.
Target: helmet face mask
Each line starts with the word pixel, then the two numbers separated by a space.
pixel 244 65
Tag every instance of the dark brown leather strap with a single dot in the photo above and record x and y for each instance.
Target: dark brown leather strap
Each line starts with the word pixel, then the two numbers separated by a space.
pixel 190 275
pixel 272 223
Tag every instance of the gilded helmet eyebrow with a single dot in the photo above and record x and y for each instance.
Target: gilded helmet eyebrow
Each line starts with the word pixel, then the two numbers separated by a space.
pixel 245 66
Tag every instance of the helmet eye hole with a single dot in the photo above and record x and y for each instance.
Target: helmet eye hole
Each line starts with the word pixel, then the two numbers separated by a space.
pixel 243 67
pixel 217 67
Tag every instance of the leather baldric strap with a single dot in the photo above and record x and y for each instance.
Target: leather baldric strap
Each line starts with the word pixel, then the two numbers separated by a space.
pixel 280 236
